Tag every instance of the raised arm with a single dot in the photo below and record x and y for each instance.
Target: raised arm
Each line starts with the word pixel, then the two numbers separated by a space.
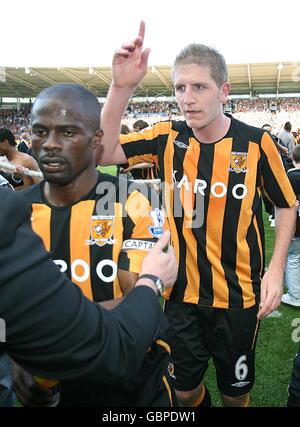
pixel 129 67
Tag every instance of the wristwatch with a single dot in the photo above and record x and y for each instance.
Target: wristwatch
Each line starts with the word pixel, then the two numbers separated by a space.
pixel 156 280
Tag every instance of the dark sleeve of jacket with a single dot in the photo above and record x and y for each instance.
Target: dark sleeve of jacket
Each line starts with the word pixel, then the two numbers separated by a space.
pixel 52 330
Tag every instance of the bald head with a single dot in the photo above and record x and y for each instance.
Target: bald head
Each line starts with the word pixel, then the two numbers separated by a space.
pixel 75 97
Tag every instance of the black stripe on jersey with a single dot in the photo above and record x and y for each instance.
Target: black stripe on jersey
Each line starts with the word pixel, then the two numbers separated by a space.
pixel 101 290
pixel 127 232
pixel 178 291
pixel 255 257
pixel 205 171
pixel 260 224
pixel 138 148
pixel 60 236
pixel 184 133
pixel 230 227
pixel 163 139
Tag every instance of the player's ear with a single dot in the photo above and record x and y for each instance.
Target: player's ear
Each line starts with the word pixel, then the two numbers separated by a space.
pixel 97 138
pixel 225 90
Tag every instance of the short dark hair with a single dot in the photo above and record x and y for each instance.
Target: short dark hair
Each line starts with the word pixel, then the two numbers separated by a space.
pixel 8 135
pixel 140 124
pixel 288 126
pixel 206 56
pixel 296 153
pixel 92 106
pixel 124 129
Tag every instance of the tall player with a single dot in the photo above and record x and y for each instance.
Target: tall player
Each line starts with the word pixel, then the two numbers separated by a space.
pixel 214 305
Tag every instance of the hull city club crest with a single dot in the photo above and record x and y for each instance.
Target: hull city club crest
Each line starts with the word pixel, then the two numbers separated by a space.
pixel 238 162
pixel 102 230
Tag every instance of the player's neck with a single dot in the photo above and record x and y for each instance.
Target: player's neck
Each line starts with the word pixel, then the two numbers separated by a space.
pixel 60 196
pixel 214 131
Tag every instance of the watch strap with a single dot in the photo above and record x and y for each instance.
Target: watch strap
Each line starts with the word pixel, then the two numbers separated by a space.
pixel 156 280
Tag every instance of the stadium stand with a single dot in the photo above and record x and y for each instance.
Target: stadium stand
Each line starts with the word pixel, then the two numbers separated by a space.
pixel 255 112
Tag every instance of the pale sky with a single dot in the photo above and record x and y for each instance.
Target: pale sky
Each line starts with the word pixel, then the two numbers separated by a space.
pixel 66 33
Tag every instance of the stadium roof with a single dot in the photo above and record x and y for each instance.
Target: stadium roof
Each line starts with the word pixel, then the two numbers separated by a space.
pixel 254 79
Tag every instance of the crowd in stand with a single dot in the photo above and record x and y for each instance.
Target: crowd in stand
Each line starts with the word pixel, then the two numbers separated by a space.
pixel 16 121
pixel 264 105
pixel 256 112
pixel 156 107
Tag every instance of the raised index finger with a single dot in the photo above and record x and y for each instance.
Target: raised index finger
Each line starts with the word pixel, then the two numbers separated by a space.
pixel 142 30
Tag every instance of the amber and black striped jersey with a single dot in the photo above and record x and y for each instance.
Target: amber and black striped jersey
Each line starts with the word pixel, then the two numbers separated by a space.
pixel 112 227
pixel 213 195
pixel 98 235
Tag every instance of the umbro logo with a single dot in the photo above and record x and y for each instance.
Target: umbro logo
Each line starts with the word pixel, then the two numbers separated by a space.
pixel 181 144
pixel 240 384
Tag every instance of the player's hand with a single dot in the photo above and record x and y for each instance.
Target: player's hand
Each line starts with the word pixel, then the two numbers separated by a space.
pixel 160 263
pixel 130 62
pixel 271 291
pixel 20 171
pixel 29 392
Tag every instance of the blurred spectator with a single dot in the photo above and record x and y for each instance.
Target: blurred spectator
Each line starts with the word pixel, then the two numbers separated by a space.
pixel 269 207
pixel 286 137
pixel 139 125
pixel 124 129
pixel 24 145
pixel 20 160
pixel 4 182
pixel 292 271
pixel 122 168
pixel 280 147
